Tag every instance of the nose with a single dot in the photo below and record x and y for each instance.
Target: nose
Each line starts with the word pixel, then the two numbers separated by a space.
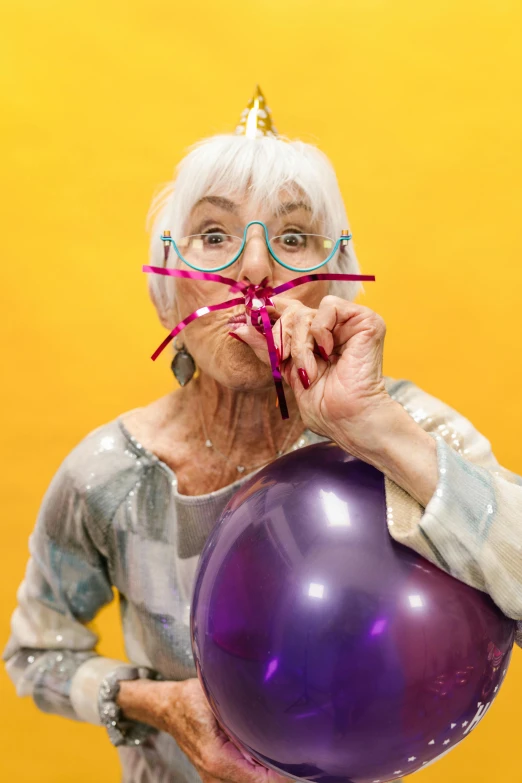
pixel 255 260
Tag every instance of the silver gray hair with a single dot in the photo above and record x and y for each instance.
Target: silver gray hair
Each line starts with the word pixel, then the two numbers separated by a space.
pixel 261 168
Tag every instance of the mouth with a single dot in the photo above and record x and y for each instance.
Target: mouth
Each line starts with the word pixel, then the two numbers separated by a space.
pixel 238 320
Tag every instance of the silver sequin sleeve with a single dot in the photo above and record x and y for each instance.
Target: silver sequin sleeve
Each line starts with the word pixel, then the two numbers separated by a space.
pixel 472 526
pixel 51 654
pixel 113 519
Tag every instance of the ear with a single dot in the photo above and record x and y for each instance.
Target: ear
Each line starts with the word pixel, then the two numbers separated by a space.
pixel 167 316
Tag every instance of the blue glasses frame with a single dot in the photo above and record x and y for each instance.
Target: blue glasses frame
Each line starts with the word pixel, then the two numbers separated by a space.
pixel 167 241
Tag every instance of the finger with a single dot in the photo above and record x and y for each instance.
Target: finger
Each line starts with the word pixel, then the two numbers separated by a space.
pixel 256 340
pixel 337 320
pixel 234 768
pixel 330 312
pixel 281 330
pixel 253 339
pixel 231 764
pixel 302 346
pixel 293 309
pixel 282 303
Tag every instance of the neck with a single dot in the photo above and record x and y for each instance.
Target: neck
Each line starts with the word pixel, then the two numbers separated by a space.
pixel 246 426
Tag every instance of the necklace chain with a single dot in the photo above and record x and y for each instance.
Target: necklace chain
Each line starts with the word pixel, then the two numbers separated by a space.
pixel 242 468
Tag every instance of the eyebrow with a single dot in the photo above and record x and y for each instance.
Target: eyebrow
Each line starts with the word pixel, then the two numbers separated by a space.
pixel 291 206
pixel 229 206
pixel 218 201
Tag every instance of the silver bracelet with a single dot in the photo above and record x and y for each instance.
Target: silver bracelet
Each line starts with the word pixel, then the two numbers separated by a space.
pixel 120 730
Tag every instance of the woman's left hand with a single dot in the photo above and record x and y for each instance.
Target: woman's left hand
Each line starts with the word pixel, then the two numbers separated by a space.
pixel 332 358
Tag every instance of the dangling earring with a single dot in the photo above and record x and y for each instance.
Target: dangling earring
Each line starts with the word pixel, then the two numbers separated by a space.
pixel 183 365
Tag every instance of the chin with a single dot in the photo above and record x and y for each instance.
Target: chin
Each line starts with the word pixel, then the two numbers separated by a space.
pixel 243 373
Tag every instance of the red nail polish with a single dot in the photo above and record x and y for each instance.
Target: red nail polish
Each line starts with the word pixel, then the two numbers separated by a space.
pixel 323 353
pixel 303 376
pixel 236 337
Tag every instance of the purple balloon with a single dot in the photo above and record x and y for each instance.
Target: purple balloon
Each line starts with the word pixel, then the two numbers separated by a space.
pixel 328 651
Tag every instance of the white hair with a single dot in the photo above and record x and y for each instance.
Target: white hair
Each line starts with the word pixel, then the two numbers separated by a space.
pixel 261 168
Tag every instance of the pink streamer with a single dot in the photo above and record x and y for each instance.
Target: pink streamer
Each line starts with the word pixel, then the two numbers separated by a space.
pixel 255 298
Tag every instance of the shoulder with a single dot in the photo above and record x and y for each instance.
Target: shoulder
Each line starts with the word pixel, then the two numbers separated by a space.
pixel 108 450
pixel 101 471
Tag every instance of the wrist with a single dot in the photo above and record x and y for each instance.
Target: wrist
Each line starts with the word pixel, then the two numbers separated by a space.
pixel 396 445
pixel 121 729
pixel 148 701
pixel 367 434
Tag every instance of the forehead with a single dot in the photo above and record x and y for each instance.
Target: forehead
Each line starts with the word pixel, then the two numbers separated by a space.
pixel 240 205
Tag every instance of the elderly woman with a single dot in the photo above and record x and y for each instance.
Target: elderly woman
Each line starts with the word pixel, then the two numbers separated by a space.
pixel 131 506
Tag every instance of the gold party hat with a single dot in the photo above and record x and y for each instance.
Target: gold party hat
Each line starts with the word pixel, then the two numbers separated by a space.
pixel 256 119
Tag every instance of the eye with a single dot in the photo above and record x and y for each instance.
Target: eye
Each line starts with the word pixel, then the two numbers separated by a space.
pixel 214 237
pixel 293 241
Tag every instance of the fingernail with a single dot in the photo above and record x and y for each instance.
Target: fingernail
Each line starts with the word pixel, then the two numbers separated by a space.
pixel 236 337
pixel 303 376
pixel 278 354
pixel 323 353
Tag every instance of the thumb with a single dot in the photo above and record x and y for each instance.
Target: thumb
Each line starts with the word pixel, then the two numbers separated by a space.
pixel 255 340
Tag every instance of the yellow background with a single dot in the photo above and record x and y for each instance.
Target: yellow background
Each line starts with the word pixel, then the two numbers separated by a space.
pixel 418 105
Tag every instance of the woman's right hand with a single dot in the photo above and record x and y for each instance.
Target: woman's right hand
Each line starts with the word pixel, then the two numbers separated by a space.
pixel 181 709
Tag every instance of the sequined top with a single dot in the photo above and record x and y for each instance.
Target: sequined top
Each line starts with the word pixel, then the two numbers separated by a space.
pixel 114 518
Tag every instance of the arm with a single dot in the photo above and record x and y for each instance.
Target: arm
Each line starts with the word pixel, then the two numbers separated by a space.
pixel 396 445
pixel 449 498
pixel 50 655
pixel 181 709
pixel 472 522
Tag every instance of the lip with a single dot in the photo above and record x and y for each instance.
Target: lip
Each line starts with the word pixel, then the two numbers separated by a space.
pixel 238 320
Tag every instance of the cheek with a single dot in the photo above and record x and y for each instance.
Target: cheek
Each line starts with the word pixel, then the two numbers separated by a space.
pixel 321 290
pixel 200 336
pixel 193 294
pixel 312 294
pixel 205 343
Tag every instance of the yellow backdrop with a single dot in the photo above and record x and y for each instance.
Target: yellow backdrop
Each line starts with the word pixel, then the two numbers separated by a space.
pixel 417 104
